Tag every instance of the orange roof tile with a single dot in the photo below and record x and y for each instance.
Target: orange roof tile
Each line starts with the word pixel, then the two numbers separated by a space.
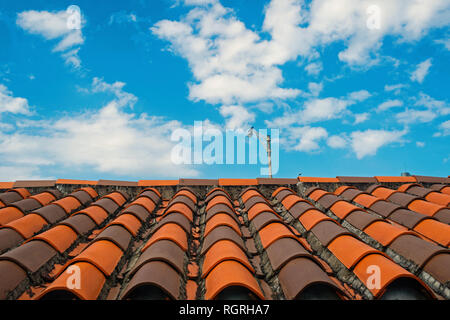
pixel 157 183
pixel 238 182
pixel 82 182
pixel 395 179
pixel 318 179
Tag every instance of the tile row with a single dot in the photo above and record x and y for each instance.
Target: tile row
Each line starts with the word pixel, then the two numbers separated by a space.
pixel 301 275
pixel 21 224
pixel 228 182
pixel 229 267
pixel 32 262
pixel 423 224
pixel 159 272
pixel 99 261
pixel 416 252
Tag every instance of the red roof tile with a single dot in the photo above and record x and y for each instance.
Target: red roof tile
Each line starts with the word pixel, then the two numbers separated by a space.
pixel 238 182
pixel 207 243
pixel 157 183
pixel 318 179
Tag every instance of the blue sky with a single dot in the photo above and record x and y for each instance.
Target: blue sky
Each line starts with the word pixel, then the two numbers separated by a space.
pixel 353 92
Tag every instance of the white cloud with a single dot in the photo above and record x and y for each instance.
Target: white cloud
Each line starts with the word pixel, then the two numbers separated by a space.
pixel 389 104
pixel 329 21
pixel 360 95
pixel 52 26
pixel 441 107
pixel 421 71
pixel 305 139
pixel 316 110
pixel 122 17
pixel 413 116
pixel 230 63
pixel 445 129
pixel 395 87
pixel 315 88
pixel 108 140
pixel 420 144
pixel 361 117
pixel 429 109
pixel 337 142
pixel 13 173
pixel 9 103
pixel 238 117
pixel 367 143
pixel 314 68
pixel 444 42
pixel 235 65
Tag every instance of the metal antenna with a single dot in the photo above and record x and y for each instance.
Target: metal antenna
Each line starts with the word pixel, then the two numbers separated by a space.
pixel 267 146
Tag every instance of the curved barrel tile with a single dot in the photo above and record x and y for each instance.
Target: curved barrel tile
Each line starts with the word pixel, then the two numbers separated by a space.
pixel 388 271
pixel 51 213
pixel 92 281
pixel 273 232
pixel 138 211
pixel 385 232
pixel 350 250
pixel 224 250
pixel 60 237
pixel 44 198
pixel 312 217
pixel 435 230
pixel 181 208
pixel 154 274
pixel 129 222
pixel 97 214
pixel 169 231
pixel 28 225
pixel 222 233
pixel 162 250
pixel 221 219
pixel 230 273
pixel 302 273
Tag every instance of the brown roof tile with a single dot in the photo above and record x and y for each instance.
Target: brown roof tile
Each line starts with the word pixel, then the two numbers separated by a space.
pixel 204 244
pixel 34 183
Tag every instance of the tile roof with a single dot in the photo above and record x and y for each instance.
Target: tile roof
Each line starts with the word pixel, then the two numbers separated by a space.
pixel 347 238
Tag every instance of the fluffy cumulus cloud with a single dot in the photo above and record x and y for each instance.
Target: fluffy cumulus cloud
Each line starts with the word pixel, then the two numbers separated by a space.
pixel 319 109
pixel 108 140
pixel 237 117
pixel 444 128
pixel 233 64
pixel 425 109
pixel 395 88
pixel 230 63
pixel 306 138
pixel 9 103
pixel 361 117
pixel 421 71
pixel 65 26
pixel 389 104
pixel 13 173
pixel 337 142
pixel 367 143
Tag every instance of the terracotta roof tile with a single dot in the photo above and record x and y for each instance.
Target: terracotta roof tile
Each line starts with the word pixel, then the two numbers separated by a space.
pixel 6 185
pixel 81 182
pixel 318 179
pixel 238 182
pixel 203 242
pixel 395 179
pixel 157 183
